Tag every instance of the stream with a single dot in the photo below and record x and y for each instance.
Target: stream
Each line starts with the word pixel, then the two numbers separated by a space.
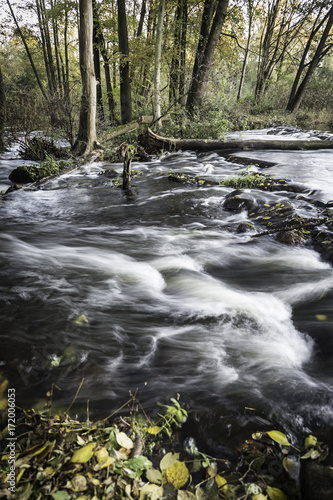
pixel 157 293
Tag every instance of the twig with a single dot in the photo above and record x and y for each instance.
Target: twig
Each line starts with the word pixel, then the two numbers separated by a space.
pixel 76 395
pixel 290 228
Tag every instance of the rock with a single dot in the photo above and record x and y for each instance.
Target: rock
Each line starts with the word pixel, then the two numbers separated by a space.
pixel 245 227
pixel 294 237
pixel 323 242
pixel 33 173
pixel 238 200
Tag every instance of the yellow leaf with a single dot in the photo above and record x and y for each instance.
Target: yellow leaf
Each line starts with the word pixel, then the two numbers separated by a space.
pixel 279 437
pixel 177 474
pixel 321 317
pixel 310 441
pixel 154 476
pixel 124 441
pixel 101 455
pixel 106 463
pixel 221 481
pixel 168 460
pixel 83 454
pixel 259 497
pixel 154 429
pixel 81 320
pixel 93 480
pixel 275 494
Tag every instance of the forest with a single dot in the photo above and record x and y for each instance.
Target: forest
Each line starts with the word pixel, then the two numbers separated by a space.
pixel 199 67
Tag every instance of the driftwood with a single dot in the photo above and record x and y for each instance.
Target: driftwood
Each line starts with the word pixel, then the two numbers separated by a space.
pixel 153 143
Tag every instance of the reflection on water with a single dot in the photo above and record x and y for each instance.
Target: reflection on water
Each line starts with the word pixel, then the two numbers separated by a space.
pixel 161 290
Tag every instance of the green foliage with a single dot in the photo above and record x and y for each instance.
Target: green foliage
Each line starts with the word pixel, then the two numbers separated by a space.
pixel 246 180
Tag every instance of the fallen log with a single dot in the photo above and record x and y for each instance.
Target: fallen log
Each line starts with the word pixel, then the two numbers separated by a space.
pixel 153 143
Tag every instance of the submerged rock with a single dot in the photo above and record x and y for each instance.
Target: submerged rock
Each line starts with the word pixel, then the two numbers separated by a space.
pixel 245 227
pixel 238 200
pixel 294 237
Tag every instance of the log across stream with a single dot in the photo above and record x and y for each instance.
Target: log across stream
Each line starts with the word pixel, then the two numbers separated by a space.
pixel 154 143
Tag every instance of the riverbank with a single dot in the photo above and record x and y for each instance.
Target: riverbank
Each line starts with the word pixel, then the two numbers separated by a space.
pixel 133 456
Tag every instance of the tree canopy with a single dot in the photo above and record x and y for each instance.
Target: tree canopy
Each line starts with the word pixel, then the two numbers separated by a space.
pixel 193 59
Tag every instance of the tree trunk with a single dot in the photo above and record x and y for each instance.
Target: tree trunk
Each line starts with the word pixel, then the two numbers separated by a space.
pixel 153 143
pixel 2 112
pixel 125 83
pixel 28 53
pixel 97 63
pixel 299 88
pixel 265 47
pixel 86 140
pixel 142 18
pixel 158 54
pixel 247 49
pixel 205 51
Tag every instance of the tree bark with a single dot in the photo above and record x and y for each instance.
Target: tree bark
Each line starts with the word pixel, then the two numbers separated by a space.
pixel 158 54
pixel 86 140
pixel 142 18
pixel 2 112
pixel 206 48
pixel 97 62
pixel 153 143
pixel 125 83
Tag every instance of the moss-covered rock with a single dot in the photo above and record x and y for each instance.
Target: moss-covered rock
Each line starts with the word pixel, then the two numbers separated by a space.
pixel 245 227
pixel 33 173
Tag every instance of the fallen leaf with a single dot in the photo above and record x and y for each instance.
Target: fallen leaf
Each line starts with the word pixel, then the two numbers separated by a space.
pixel 168 460
pixel 279 437
pixel 154 476
pixel 79 483
pixel 177 474
pixel 275 494
pixel 154 429
pixel 124 441
pixel 83 454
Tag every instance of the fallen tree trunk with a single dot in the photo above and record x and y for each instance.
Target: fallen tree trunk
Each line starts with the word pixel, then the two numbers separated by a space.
pixel 153 143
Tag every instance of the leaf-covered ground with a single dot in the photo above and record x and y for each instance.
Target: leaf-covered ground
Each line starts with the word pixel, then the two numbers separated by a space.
pixel 134 457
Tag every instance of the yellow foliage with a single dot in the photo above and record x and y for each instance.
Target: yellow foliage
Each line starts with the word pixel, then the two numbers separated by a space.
pixel 177 474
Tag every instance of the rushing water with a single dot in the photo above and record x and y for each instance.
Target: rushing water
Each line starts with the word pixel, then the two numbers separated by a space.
pixel 174 300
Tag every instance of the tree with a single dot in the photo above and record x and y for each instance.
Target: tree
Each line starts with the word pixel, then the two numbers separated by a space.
pixel 211 27
pixel 2 111
pixel 40 84
pixel 250 12
pixel 177 70
pixel 322 49
pixel 97 62
pixel 86 139
pixel 125 82
pixel 157 73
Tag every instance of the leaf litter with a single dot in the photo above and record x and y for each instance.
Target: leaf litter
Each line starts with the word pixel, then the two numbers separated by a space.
pixel 134 457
